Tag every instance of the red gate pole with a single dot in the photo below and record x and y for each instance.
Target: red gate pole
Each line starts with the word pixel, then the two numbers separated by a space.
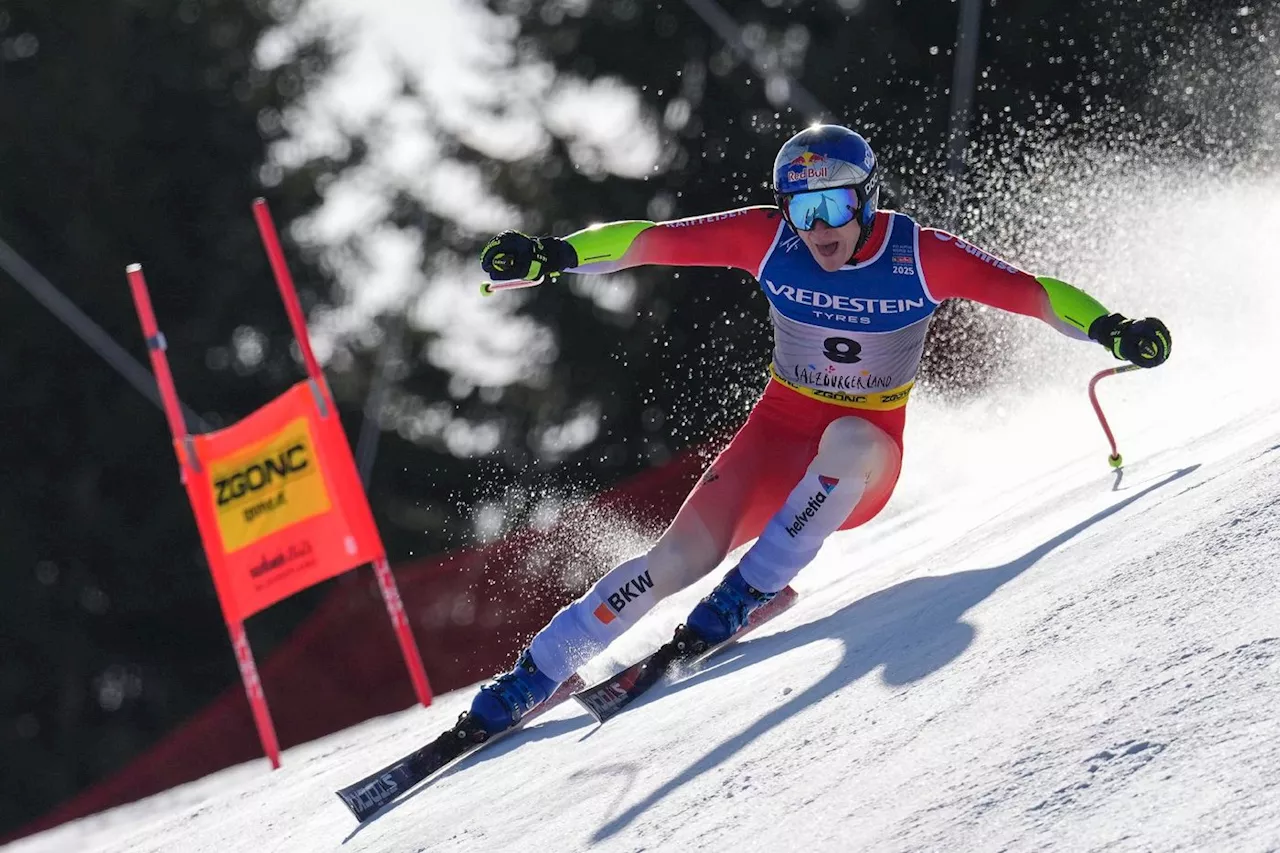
pixel 253 689
pixel 289 293
pixel 381 568
pixel 404 633
pixel 157 346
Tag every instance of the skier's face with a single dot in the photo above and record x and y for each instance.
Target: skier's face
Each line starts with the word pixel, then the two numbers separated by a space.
pixel 832 248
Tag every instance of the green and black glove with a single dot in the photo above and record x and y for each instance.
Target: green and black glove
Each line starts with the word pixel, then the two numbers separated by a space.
pixel 512 255
pixel 1146 343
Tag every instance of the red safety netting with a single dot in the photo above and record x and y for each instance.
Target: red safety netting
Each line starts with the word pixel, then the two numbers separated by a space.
pixel 470 610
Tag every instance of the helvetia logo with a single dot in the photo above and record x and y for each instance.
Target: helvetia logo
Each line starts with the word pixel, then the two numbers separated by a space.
pixel 629 591
pixel 828 483
pixel 811 509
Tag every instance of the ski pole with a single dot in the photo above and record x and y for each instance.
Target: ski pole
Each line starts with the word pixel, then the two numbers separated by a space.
pixel 488 288
pixel 1115 459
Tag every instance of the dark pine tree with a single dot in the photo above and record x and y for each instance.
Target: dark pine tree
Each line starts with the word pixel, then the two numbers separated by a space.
pixel 134 131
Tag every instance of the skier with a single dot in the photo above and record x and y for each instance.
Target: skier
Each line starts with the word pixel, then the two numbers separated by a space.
pixel 851 290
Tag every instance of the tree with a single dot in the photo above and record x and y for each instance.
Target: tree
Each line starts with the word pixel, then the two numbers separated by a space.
pixel 135 131
pixel 598 111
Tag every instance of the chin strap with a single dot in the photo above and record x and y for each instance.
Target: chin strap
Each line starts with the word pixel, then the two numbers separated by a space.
pixel 863 236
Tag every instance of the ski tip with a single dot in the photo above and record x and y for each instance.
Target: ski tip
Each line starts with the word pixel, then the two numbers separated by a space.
pixel 581 700
pixel 359 813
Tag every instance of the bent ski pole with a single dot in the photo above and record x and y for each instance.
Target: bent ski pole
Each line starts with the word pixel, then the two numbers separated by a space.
pixel 1115 459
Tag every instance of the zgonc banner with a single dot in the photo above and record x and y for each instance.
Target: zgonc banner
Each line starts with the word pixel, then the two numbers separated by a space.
pixel 276 496
pixel 271 491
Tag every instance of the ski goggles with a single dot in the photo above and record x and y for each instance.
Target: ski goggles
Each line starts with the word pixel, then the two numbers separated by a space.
pixel 835 207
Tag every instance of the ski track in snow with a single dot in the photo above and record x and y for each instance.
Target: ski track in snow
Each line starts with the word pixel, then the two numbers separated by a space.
pixel 1026 651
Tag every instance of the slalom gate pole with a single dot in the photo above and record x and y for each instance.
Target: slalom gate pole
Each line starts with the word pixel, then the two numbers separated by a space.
pixel 289 293
pixel 381 568
pixel 404 633
pixel 1115 459
pixel 253 689
pixel 188 460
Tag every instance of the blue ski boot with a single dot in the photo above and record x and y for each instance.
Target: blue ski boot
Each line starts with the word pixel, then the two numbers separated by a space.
pixel 503 702
pixel 724 611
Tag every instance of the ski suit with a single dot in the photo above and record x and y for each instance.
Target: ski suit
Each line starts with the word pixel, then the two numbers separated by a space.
pixel 822 448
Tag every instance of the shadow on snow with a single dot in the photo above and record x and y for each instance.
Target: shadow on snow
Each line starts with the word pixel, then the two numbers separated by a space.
pixel 911 629
pixel 541 731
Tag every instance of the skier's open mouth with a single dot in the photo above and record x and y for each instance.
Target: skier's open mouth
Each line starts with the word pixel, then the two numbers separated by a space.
pixel 827 250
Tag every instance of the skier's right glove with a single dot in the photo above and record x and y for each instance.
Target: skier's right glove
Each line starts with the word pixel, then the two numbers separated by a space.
pixel 1146 343
pixel 512 255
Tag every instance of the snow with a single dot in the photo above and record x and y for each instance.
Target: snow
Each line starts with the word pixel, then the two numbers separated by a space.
pixel 1033 658
pixel 1026 651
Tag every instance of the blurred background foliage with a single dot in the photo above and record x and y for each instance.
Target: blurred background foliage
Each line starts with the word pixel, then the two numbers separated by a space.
pixel 139 130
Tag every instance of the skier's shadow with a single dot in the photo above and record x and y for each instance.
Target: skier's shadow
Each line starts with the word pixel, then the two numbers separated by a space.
pixel 912 630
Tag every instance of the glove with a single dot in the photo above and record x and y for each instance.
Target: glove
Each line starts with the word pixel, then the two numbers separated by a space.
pixel 1146 343
pixel 512 255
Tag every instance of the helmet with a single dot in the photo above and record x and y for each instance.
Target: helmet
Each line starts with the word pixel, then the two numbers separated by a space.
pixel 826 156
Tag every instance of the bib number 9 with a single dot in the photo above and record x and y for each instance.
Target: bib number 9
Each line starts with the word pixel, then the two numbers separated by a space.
pixel 842 350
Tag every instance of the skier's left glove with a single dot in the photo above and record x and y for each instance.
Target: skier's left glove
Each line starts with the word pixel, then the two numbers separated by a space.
pixel 1146 343
pixel 512 255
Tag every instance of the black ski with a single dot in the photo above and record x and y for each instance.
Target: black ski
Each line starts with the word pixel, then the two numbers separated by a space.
pixel 366 797
pixel 607 698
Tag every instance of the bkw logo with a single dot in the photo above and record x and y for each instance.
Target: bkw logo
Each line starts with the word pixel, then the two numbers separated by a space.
pixel 629 591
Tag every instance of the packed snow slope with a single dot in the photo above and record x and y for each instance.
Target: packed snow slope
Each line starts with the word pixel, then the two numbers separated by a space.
pixel 1026 651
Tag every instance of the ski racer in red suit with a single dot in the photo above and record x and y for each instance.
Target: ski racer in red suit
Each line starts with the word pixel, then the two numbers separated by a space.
pixel 851 290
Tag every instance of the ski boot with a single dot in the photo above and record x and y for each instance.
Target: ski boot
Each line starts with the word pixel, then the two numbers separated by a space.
pixel 503 702
pixel 724 611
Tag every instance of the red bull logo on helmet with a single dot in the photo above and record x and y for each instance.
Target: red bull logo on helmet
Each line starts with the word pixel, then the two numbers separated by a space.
pixel 808 166
pixel 808 158
pixel 814 171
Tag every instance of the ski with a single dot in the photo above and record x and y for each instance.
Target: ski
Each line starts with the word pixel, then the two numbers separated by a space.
pixel 607 698
pixel 368 796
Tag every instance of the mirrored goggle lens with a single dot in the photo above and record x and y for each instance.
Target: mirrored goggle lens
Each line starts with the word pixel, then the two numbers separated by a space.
pixel 834 207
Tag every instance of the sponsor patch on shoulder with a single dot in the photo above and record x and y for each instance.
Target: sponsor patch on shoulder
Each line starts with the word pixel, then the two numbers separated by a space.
pixel 708 218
